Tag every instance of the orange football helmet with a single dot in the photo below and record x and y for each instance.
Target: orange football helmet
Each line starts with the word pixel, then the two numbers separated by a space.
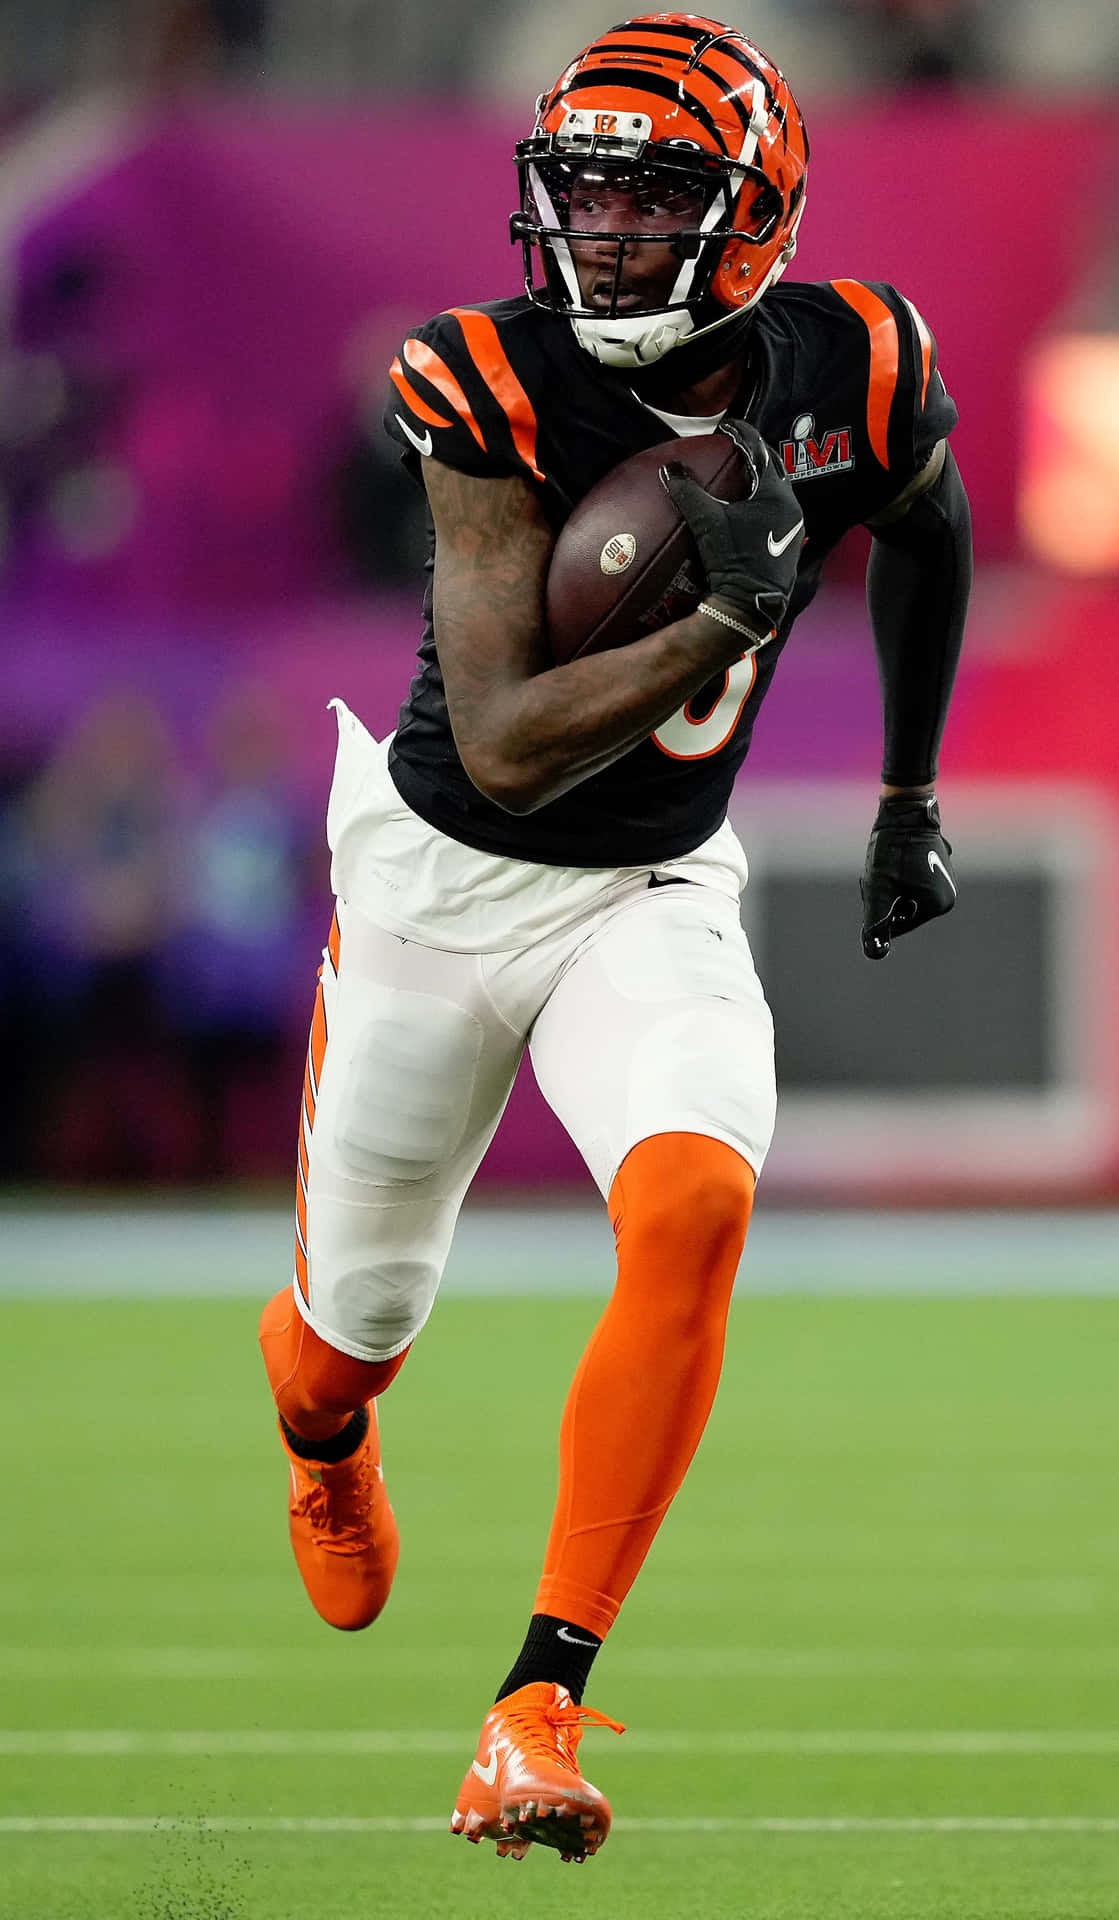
pixel 693 109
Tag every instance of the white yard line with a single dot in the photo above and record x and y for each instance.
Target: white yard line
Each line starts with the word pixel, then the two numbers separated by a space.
pixel 687 1662
pixel 102 1743
pixel 439 1823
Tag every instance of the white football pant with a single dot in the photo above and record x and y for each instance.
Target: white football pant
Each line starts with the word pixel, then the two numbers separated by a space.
pixel 645 1017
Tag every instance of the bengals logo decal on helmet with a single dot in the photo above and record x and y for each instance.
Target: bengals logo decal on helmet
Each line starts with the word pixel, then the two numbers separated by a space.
pixel 685 132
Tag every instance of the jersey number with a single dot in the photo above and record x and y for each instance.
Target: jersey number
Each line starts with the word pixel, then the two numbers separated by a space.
pixel 684 737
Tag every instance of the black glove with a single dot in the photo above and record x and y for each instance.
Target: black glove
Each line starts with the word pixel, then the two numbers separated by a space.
pixel 749 548
pixel 908 874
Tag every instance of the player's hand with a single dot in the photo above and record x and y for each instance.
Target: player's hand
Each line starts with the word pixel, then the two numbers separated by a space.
pixel 908 874
pixel 749 548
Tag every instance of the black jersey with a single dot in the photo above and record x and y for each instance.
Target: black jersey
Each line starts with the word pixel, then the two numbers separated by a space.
pixel 840 380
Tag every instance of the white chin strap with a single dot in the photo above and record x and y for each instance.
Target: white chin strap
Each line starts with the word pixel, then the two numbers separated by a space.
pixel 633 340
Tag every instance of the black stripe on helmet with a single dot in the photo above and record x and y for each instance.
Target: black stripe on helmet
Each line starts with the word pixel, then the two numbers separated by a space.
pixel 689 64
pixel 756 73
pixel 696 37
pixel 733 98
pixel 725 87
pixel 649 83
pixel 717 80
pixel 727 40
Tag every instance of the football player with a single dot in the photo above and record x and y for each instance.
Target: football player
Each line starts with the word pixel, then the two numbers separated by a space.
pixel 541 856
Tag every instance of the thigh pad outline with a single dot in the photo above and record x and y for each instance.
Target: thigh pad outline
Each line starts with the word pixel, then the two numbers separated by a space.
pixel 404 1104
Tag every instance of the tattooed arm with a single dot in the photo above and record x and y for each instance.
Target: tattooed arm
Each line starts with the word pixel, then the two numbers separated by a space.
pixel 526 729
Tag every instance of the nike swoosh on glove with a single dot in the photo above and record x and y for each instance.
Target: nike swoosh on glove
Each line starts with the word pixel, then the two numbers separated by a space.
pixel 908 875
pixel 748 548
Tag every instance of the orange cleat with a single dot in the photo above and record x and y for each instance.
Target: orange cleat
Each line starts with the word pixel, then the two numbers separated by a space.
pixel 343 1532
pixel 523 1783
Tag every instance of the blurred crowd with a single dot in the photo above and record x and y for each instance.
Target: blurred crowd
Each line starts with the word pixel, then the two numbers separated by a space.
pixel 503 50
pixel 830 47
pixel 157 911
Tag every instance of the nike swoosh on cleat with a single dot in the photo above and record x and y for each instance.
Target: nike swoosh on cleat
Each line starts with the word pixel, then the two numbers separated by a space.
pixel 935 864
pixel 776 547
pixel 487 1773
pixel 573 1638
pixel 422 442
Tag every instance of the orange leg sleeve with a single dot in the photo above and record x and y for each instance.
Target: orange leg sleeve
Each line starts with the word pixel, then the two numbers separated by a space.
pixel 316 1388
pixel 639 1401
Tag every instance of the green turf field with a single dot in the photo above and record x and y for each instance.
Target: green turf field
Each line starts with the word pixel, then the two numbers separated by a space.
pixel 871 1671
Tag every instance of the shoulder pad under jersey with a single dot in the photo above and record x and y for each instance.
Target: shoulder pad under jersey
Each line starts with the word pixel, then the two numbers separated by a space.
pixel 454 396
pixel 908 408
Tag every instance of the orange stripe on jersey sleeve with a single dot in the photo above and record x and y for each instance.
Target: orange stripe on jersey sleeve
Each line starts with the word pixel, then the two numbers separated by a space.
pixel 412 399
pixel 490 358
pixel 884 357
pixel 424 361
pixel 334 942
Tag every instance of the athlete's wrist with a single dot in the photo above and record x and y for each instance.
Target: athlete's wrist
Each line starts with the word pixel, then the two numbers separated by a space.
pixel 926 791
pixel 728 614
pixel 707 644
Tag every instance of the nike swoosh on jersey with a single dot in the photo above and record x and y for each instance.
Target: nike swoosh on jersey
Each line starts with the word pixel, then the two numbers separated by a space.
pixel 422 443
pixel 487 1773
pixel 935 864
pixel 776 547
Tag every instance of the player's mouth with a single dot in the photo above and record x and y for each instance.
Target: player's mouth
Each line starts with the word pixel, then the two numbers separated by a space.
pixel 625 301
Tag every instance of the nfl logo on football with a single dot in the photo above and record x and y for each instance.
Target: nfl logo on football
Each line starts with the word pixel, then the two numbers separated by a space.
pixel 806 456
pixel 618 553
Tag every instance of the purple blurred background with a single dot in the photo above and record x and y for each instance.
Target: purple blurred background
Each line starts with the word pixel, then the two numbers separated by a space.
pixel 205 536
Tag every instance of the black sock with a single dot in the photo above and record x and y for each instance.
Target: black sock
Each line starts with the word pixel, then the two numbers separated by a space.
pixel 338 1447
pixel 553 1650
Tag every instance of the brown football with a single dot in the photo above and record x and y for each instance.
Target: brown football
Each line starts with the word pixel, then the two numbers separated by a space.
pixel 625 562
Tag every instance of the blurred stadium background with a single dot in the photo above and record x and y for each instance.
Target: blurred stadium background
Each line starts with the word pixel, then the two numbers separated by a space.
pixel 217 217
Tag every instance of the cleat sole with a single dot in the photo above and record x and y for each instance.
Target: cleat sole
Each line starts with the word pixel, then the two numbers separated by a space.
pixel 536 1796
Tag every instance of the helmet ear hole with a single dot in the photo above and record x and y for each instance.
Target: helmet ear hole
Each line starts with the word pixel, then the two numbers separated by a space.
pixel 762 212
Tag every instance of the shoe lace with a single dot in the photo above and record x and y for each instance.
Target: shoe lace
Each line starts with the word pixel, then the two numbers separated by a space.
pixel 564 1724
pixel 338 1510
